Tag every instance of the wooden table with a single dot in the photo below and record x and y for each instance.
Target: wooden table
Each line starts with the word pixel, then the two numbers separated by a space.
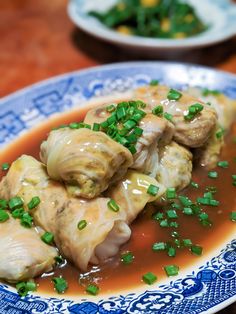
pixel 37 40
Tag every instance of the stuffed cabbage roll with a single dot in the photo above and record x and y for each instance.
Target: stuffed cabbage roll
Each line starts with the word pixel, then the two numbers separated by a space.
pixel 131 193
pixel 87 228
pixel 209 154
pixel 175 167
pixel 156 132
pixel 86 160
pixel 23 254
pixel 194 132
pixel 27 178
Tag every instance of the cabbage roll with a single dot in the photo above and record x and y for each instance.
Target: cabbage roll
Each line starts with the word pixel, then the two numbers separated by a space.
pixel 23 254
pixel 175 167
pixel 86 160
pixel 131 193
pixel 194 133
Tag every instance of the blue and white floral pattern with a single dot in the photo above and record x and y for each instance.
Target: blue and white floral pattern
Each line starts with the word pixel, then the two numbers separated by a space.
pixel 205 289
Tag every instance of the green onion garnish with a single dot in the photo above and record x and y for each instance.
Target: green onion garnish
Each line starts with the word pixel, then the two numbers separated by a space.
pixel 184 200
pixel 188 211
pixel 171 270
pixel 173 224
pixel 60 284
pixel 47 237
pixel 112 205
pixel 171 251
pixel 15 202
pixel 159 246
pixel 164 223
pixel 196 249
pixel 193 110
pixel 207 92
pixel 152 190
pixel 223 164
pixel 74 125
pixel 35 201
pixel 158 110
pixel 158 216
pixel 149 278
pixel 5 166
pixel 220 133
pixel 212 174
pixel 3 204
pixel 233 216
pixel 174 234
pixel 174 94
pixel 195 185
pixel 171 213
pixel 26 220
pixel 170 193
pixel 82 224
pixel 154 83
pixel 187 242
pixel 18 212
pixel 92 289
pixel 59 259
pixel 4 216
pixel 24 287
pixel 168 116
pixel 127 258
pixel 96 127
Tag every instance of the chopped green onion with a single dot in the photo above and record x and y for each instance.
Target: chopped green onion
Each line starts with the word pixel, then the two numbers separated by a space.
pixel 196 249
pixel 174 94
pixel 171 193
pixel 130 124
pixel 177 243
pixel 132 149
pixel 203 216
pixel 174 224
pixel 152 190
pixel 158 216
pixel 171 213
pixel 59 259
pixel 193 110
pixel 233 216
pixel 171 252
pixel 164 223
pixel 212 174
pixel 168 116
pixel 207 92
pixel 154 83
pixel 74 125
pixel 15 202
pixel 35 201
pixel 138 131
pixel 112 205
pixel 60 284
pixel 211 189
pixel 111 108
pixel 149 278
pixel 127 258
pixel 158 110
pixel 5 166
pixel 159 246
pixel 26 220
pixel 4 216
pixel 188 211
pixel 82 224
pixel 195 185
pixel 174 234
pixel 171 270
pixel 220 133
pixel 24 287
pixel 187 242
pixel 3 204
pixel 184 200
pixel 206 223
pixel 175 205
pixel 47 237
pixel 96 127
pixel 223 164
pixel 92 289
pixel 18 212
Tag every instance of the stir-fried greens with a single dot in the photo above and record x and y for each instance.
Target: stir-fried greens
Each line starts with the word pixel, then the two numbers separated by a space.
pixel 153 18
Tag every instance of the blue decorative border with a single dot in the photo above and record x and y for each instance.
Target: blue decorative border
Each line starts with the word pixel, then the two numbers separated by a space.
pixel 213 283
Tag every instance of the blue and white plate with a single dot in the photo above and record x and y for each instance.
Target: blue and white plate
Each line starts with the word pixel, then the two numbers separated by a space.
pixel 205 287
pixel 220 15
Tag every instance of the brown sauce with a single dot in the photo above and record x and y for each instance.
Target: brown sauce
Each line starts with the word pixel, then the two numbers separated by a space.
pixel 114 275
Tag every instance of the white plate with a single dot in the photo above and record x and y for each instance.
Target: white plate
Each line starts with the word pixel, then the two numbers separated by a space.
pixel 219 14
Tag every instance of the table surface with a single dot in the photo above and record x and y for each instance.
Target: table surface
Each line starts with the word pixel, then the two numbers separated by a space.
pixel 37 41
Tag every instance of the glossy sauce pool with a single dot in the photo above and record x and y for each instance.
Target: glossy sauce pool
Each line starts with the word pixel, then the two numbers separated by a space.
pixel 114 275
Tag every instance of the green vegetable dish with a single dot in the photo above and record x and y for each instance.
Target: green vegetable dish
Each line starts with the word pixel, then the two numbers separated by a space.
pixel 153 18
